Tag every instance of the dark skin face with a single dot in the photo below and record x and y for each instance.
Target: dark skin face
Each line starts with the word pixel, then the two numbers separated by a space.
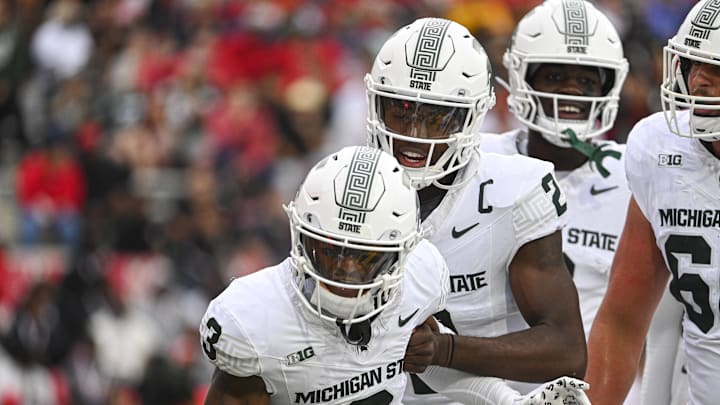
pixel 567 79
pixel 419 120
pixel 346 265
pixel 423 121
pixel 704 80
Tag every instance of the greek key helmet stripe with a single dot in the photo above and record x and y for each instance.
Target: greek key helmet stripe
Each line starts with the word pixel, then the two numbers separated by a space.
pixel 359 184
pixel 704 21
pixel 576 22
pixel 427 51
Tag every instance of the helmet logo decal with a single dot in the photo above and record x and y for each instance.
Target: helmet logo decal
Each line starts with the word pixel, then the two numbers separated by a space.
pixel 703 23
pixel 357 188
pixel 427 53
pixel 576 26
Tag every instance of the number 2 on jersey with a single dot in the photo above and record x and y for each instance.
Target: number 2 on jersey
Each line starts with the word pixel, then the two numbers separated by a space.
pixel 549 183
pixel 700 253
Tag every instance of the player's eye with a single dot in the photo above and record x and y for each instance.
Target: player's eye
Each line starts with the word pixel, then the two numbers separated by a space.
pixel 585 81
pixel 554 77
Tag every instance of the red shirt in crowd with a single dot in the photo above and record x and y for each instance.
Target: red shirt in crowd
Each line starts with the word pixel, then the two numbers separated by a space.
pixel 51 176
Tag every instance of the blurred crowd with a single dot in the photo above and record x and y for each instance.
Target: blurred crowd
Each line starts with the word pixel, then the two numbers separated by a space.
pixel 147 147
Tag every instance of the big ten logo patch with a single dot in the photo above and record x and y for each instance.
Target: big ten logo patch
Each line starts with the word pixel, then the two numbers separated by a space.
pixel 669 160
pixel 300 355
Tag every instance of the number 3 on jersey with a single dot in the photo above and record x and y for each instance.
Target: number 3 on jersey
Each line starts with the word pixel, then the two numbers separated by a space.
pixel 209 342
pixel 700 253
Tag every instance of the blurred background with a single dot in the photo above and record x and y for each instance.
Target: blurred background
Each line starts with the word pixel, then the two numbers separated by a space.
pixel 146 148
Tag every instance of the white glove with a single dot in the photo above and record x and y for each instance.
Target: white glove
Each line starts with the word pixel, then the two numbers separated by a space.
pixel 561 391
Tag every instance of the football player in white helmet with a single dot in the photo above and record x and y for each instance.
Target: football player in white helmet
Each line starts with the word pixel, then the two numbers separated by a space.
pixel 566 68
pixel 442 80
pixel 672 227
pixel 557 40
pixel 496 219
pixel 330 324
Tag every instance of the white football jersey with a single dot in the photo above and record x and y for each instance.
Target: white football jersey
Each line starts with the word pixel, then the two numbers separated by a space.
pixel 259 327
pixel 597 207
pixel 506 202
pixel 676 183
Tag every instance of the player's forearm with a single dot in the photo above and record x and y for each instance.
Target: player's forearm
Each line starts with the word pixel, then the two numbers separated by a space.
pixel 613 357
pixel 637 281
pixel 538 354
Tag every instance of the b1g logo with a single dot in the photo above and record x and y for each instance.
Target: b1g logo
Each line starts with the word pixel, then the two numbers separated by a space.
pixel 666 160
pixel 301 355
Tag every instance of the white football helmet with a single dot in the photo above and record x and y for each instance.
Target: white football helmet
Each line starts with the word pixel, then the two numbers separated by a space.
pixel 697 40
pixel 435 76
pixel 353 222
pixel 565 32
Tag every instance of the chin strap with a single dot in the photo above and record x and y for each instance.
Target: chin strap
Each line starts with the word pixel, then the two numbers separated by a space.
pixel 356 334
pixel 594 153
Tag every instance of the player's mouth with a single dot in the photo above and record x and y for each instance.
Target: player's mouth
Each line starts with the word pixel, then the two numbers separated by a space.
pixel 706 112
pixel 345 292
pixel 411 157
pixel 713 107
pixel 572 111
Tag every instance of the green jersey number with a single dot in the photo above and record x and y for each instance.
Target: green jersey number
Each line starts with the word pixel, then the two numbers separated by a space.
pixel 548 184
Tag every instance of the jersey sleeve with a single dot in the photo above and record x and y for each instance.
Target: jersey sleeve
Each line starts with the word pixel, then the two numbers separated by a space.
pixel 225 342
pixel 429 276
pixel 541 211
pixel 636 165
pixel 504 144
pixel 444 272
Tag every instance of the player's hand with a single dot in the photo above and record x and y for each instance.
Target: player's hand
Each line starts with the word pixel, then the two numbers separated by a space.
pixel 561 391
pixel 423 347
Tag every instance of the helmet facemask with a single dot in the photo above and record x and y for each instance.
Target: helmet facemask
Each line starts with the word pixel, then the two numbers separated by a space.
pixel 341 280
pixel 543 111
pixel 431 140
pixel 572 33
pixel 353 223
pixel 704 111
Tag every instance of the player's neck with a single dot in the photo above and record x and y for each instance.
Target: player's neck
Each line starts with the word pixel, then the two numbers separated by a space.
pixel 564 159
pixel 712 147
pixel 431 196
